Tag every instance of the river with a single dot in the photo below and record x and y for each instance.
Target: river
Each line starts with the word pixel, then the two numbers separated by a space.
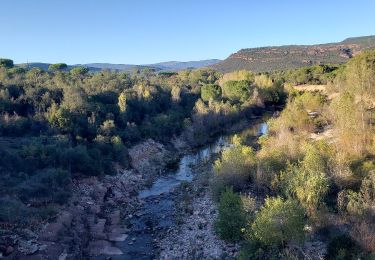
pixel 157 213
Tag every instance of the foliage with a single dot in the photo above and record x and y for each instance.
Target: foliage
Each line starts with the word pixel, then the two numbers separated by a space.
pixel 237 91
pixel 278 221
pixel 6 63
pixel 57 66
pixel 236 167
pixel 363 202
pixel 210 91
pixel 79 71
pixel 306 185
pixel 231 219
pixel 237 75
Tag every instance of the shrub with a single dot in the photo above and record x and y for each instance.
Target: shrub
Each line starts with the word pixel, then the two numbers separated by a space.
pixel 278 221
pixel 48 184
pixel 271 162
pixel 231 219
pixel 236 167
pixel 363 233
pixel 308 187
pixel 363 202
pixel 210 91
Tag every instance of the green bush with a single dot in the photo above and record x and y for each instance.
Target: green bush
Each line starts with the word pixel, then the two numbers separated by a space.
pixel 210 91
pixel 231 219
pixel 236 167
pixel 237 91
pixel 278 222
pixel 307 186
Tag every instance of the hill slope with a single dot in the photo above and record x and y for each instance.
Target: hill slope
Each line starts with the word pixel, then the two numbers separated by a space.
pixel 294 56
pixel 169 65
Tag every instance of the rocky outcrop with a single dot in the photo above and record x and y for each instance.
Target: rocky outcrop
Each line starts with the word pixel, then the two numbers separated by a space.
pixel 150 157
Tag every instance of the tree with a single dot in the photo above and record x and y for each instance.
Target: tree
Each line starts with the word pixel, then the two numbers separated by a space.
pixel 278 221
pixel 231 219
pixel 79 71
pixel 347 119
pixel 210 91
pixel 122 102
pixel 359 82
pixel 57 67
pixel 237 91
pixel 6 63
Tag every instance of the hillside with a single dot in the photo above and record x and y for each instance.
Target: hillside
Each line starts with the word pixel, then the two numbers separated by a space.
pixel 162 66
pixel 178 65
pixel 294 56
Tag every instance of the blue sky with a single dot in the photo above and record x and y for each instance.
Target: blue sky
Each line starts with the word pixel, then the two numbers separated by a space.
pixel 148 31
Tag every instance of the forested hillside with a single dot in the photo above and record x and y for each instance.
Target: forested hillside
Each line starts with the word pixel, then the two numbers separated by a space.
pixel 295 56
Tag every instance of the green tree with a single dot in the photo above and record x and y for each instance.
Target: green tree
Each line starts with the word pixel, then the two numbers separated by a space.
pixel 6 63
pixel 231 219
pixel 210 91
pixel 57 67
pixel 79 71
pixel 237 91
pixel 278 222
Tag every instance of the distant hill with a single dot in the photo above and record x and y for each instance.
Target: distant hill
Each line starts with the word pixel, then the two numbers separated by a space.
pixel 162 66
pixel 44 66
pixel 178 65
pixel 294 56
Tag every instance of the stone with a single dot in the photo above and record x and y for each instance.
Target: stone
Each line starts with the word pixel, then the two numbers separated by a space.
pixel 102 247
pixel 117 237
pixel 115 217
pixel 28 247
pixel 97 229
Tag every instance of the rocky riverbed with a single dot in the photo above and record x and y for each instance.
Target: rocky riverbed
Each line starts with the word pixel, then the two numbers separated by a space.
pixel 98 214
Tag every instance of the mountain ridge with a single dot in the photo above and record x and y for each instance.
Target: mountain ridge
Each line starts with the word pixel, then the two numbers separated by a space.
pixel 161 66
pixel 271 58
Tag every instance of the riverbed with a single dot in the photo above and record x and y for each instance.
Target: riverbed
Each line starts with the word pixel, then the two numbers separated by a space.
pixel 156 216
